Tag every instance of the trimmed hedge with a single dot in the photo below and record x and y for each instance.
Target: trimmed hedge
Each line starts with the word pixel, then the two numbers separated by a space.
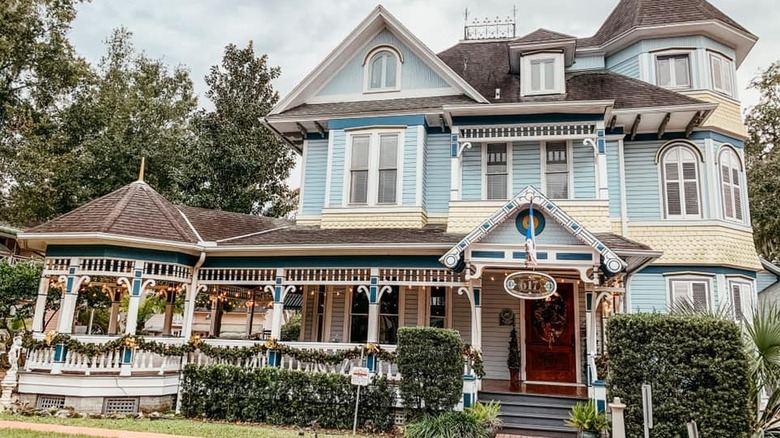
pixel 430 361
pixel 696 365
pixel 283 397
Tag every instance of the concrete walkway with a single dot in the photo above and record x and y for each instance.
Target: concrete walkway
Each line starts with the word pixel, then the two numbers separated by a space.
pixel 89 431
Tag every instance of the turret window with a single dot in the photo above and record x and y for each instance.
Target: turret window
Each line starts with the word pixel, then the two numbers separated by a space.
pixel 673 71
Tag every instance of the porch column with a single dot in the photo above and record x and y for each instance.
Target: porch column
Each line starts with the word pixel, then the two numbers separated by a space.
pixel 113 319
pixel 373 307
pixel 136 289
pixel 170 300
pixel 590 335
pixel 40 305
pixel 280 291
pixel 69 297
pixel 216 316
pixel 190 294
pixel 601 162
pixel 455 165
pixel 476 323
pixel 250 314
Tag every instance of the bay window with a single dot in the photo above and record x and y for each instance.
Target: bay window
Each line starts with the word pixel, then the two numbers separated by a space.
pixel 731 184
pixel 689 292
pixel 673 71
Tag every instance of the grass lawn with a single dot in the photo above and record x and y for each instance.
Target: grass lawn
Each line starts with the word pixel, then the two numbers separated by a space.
pixel 18 433
pixel 174 427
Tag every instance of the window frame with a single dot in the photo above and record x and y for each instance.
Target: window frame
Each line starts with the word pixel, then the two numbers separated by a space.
pixel 352 294
pixel 569 165
pixel 484 152
pixel 684 215
pixel 726 66
pixel 559 86
pixel 372 182
pixel 690 279
pixel 741 283
pixel 738 187
pixel 672 76
pixel 367 62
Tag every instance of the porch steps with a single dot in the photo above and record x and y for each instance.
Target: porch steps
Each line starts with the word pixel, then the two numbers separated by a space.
pixel 533 415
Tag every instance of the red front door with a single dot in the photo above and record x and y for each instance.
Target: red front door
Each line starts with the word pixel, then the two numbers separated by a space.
pixel 549 337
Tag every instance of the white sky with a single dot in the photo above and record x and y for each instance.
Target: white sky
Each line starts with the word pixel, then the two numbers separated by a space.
pixel 298 34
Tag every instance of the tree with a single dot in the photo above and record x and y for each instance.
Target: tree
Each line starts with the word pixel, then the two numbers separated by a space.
pixel 237 163
pixel 763 161
pixel 129 107
pixel 18 292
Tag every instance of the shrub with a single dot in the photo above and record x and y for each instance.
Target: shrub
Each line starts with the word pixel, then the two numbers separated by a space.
pixel 447 425
pixel 697 368
pixel 283 397
pixel 430 361
pixel 488 415
pixel 291 330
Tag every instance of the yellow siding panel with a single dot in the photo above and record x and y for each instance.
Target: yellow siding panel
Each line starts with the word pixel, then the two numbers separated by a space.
pixel 727 116
pixel 368 219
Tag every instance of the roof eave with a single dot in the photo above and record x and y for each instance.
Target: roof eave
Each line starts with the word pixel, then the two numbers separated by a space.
pixel 40 241
pixel 567 107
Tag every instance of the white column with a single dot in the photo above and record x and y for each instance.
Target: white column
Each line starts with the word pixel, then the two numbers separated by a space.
pixel 618 421
pixel 40 305
pixel 601 162
pixel 134 303
pixel 69 297
pixel 373 307
pixel 455 165
pixel 113 319
pixel 277 317
pixel 250 315
pixel 190 296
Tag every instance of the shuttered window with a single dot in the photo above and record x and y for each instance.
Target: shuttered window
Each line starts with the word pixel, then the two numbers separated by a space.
pixel 731 185
pixel 673 71
pixel 681 183
pixel 496 174
pixel 695 292
pixel 722 80
pixel 557 170
pixel 373 167
pixel 741 300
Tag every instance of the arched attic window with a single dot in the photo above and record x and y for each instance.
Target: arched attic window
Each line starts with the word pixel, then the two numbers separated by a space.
pixel 383 69
pixel 731 184
pixel 681 187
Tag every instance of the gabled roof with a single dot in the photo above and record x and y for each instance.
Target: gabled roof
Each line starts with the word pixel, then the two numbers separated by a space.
pixel 377 20
pixel 373 106
pixel 611 262
pixel 133 210
pixel 542 35
pixel 633 14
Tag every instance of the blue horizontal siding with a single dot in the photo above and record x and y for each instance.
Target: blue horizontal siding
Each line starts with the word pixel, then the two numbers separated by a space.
pixel 764 280
pixel 553 234
pixel 436 188
pixel 472 173
pixel 337 168
pixel 410 166
pixel 642 191
pixel 613 178
pixel 584 172
pixel 587 63
pixel 648 293
pixel 314 179
pixel 629 67
pixel 526 166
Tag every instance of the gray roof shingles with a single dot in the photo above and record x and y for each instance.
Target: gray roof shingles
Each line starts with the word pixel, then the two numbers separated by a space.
pixel 342 108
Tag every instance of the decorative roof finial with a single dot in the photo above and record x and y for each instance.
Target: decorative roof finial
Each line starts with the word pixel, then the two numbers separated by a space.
pixel 141 171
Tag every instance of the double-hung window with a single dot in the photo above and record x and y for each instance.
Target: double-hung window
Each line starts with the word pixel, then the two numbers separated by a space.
pixel 542 73
pixel 680 170
pixel 722 80
pixel 689 292
pixel 438 307
pixel 358 318
pixel 731 185
pixel 373 168
pixel 673 71
pixel 496 173
pixel 556 170
pixel 741 300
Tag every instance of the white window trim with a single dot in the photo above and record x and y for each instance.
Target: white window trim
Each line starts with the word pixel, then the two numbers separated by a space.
pixel 719 172
pixel 742 282
pixel 727 66
pixel 670 279
pixel 367 70
pixel 525 74
pixel 570 165
pixel 373 167
pixel 688 53
pixel 509 192
pixel 425 296
pixel 683 216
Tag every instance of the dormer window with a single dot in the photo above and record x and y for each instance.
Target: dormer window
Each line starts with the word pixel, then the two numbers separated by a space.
pixel 542 73
pixel 383 69
pixel 673 71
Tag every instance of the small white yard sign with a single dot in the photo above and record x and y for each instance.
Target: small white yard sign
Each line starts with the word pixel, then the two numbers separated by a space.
pixel 359 376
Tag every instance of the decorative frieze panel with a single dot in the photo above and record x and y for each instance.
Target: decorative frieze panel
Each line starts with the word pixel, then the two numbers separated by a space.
pixel 167 271
pixel 253 276
pixel 106 266
pixel 328 276
pixel 515 132
pixel 420 277
pixel 56 266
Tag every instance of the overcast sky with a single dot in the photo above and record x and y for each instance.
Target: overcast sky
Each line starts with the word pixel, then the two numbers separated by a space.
pixel 298 34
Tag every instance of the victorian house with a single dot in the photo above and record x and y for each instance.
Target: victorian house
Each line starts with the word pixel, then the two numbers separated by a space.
pixel 542 182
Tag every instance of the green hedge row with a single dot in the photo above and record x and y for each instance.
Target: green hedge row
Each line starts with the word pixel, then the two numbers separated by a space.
pixel 696 365
pixel 283 397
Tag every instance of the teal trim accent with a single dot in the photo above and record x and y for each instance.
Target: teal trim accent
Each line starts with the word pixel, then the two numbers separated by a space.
pixel 477 296
pixel 453 145
pixel 526 118
pixel 702 269
pixel 371 362
pixel 588 301
pixel 522 217
pixel 601 405
pixel 572 256
pixel 488 254
pixel 60 352
pixel 467 400
pixel 113 251
pixel 324 261
pixel 274 359
pixel 718 137
pixel 127 356
pixel 377 121
pixel 317 136
pixel 522 255
pixel 278 289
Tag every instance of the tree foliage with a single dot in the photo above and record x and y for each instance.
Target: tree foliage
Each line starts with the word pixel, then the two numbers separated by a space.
pixel 18 292
pixel 763 161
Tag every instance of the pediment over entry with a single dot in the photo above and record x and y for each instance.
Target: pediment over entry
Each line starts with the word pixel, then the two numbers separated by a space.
pixel 610 261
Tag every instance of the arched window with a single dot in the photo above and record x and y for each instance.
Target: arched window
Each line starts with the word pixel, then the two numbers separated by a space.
pixel 383 70
pixel 680 170
pixel 731 184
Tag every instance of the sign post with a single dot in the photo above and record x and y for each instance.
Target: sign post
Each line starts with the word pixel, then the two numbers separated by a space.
pixel 359 377
pixel 647 407
pixel 693 429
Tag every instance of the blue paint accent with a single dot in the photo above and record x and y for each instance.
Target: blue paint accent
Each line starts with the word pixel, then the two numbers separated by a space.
pixel 69 283
pixel 376 121
pixel 373 292
pixel 112 251
pixel 522 218
pixel 127 356
pixel 521 255
pixel 436 172
pixel 488 254
pixel 699 135
pixel 588 301
pixel 466 400
pixel 526 118
pixel 60 353
pixel 718 138
pixel 314 136
pixel 477 296
pixel 601 405
pixel 371 362
pixel 704 269
pixel 584 168
pixel 453 145
pixel 374 280
pixel 573 256
pixel 601 141
pixel 314 180
pixel 278 289
pixel 616 131
pixel 274 359
pixel 329 261
pixel 136 291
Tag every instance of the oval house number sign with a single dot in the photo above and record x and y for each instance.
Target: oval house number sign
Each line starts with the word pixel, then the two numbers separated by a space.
pixel 529 285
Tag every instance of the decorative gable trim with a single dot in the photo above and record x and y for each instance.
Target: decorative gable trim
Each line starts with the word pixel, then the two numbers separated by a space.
pixel 378 19
pixel 611 262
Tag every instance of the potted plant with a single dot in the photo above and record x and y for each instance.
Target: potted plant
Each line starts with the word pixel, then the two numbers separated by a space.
pixel 488 415
pixel 513 361
pixel 587 420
